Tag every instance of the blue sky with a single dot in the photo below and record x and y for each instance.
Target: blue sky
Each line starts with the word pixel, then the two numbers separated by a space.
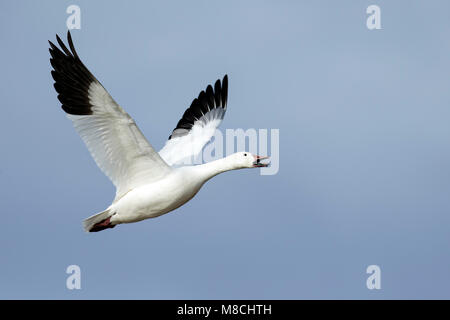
pixel 364 151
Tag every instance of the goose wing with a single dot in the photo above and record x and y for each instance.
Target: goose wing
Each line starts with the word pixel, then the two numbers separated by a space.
pixel 114 140
pixel 197 125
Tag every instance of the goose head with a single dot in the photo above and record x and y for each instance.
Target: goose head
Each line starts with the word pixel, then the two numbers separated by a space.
pixel 248 160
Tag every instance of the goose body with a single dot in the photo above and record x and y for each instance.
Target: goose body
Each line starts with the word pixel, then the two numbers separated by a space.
pixel 155 199
pixel 148 183
pixel 165 195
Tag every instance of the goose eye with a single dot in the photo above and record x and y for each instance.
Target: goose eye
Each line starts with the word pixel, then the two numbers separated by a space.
pixel 245 154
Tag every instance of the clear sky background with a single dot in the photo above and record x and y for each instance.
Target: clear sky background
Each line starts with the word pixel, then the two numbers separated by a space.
pixel 364 150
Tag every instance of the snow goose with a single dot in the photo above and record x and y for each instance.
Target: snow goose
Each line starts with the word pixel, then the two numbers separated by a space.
pixel 148 183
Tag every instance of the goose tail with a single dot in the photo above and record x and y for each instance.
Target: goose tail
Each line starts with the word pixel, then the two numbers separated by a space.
pixel 99 221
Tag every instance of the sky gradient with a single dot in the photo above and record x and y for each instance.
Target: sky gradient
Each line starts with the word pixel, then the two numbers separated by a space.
pixel 364 175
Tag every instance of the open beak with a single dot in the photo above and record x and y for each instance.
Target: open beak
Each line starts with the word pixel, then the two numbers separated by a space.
pixel 257 163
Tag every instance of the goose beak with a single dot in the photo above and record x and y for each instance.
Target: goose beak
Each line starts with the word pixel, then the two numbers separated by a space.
pixel 258 164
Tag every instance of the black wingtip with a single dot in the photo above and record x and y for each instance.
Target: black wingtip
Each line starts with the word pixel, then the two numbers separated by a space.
pixel 69 36
pixel 72 78
pixel 224 94
pixel 63 46
pixel 52 46
pixel 211 98
pixel 71 46
pixel 225 80
pixel 58 39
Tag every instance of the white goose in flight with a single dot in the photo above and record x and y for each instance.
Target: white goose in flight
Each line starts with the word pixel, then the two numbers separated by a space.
pixel 148 184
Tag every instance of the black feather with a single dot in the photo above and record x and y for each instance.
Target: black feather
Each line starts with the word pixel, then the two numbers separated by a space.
pixel 72 78
pixel 217 90
pixel 224 93
pixel 206 101
pixel 203 102
pixel 210 97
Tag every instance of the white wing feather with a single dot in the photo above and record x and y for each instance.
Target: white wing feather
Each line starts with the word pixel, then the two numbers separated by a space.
pixel 117 145
pixel 197 126
pixel 182 150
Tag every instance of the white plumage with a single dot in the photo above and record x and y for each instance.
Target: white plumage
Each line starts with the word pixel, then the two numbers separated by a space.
pixel 117 145
pixel 148 184
pixel 181 150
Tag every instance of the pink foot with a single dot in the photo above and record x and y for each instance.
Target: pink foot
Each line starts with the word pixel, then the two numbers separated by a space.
pixel 102 225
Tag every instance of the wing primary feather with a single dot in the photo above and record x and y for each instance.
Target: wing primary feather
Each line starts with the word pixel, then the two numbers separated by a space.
pixel 224 93
pixel 63 46
pixel 210 98
pixel 72 47
pixel 203 101
pixel 202 117
pixel 217 89
pixel 72 78
pixel 202 106
pixel 117 145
